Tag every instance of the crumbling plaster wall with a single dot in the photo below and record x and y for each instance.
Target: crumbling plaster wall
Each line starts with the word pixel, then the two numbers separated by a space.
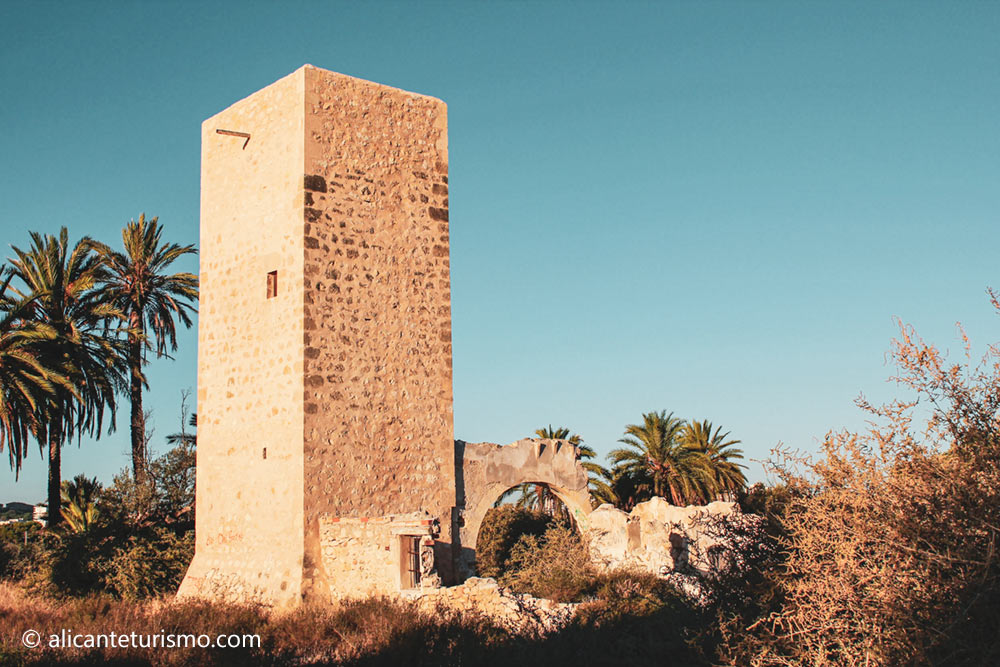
pixel 659 537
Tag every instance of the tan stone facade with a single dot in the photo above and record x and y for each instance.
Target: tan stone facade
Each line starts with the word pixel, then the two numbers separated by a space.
pixel 324 377
pixel 250 523
pixel 327 464
pixel 362 556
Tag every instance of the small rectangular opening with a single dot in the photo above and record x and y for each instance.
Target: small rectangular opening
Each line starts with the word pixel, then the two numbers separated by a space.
pixel 272 284
pixel 409 561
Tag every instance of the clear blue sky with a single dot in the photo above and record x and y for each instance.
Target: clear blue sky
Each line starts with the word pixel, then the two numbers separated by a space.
pixel 710 208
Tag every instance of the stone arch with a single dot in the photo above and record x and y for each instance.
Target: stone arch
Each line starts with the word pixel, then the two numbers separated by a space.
pixel 488 470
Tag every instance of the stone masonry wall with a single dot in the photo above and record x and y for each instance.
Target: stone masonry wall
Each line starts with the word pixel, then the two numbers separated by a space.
pixel 362 556
pixel 249 522
pixel 377 320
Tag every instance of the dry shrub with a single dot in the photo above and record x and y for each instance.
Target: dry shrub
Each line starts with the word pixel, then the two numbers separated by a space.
pixel 555 566
pixel 102 614
pixel 149 564
pixel 372 630
pixel 502 527
pixel 891 538
pixel 626 594
pixel 139 547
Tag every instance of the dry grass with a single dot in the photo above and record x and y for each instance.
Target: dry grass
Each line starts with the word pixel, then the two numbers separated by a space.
pixel 373 630
pixel 632 619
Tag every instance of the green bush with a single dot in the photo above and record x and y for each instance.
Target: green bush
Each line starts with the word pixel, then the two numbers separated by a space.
pixel 138 546
pixel 25 550
pixel 148 564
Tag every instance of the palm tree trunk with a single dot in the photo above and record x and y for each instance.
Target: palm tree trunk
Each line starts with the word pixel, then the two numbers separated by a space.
pixel 138 421
pixel 55 475
pixel 542 499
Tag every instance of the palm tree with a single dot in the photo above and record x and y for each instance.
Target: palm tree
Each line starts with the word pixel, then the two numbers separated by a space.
pixel 655 447
pixel 529 498
pixel 542 497
pixel 561 433
pixel 597 475
pixel 628 487
pixel 79 497
pixel 60 282
pixel 726 474
pixel 602 487
pixel 27 382
pixel 137 283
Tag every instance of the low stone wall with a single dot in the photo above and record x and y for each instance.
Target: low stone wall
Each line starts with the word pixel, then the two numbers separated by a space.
pixel 515 612
pixel 363 556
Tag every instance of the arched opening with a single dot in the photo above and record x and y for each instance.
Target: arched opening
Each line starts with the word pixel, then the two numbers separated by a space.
pixel 535 496
pixel 529 509
pixel 489 471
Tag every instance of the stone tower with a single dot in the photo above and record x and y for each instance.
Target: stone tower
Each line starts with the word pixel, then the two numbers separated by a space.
pixel 326 461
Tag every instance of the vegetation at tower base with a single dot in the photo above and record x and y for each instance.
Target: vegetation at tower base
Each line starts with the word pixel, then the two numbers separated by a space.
pixel 373 631
pixel 135 540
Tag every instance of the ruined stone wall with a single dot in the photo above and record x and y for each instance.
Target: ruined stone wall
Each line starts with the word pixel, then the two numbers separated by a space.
pixel 249 520
pixel 518 613
pixel 661 538
pixel 377 340
pixel 489 469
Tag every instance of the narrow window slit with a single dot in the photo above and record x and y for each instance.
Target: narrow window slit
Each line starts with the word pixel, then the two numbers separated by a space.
pixel 272 284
